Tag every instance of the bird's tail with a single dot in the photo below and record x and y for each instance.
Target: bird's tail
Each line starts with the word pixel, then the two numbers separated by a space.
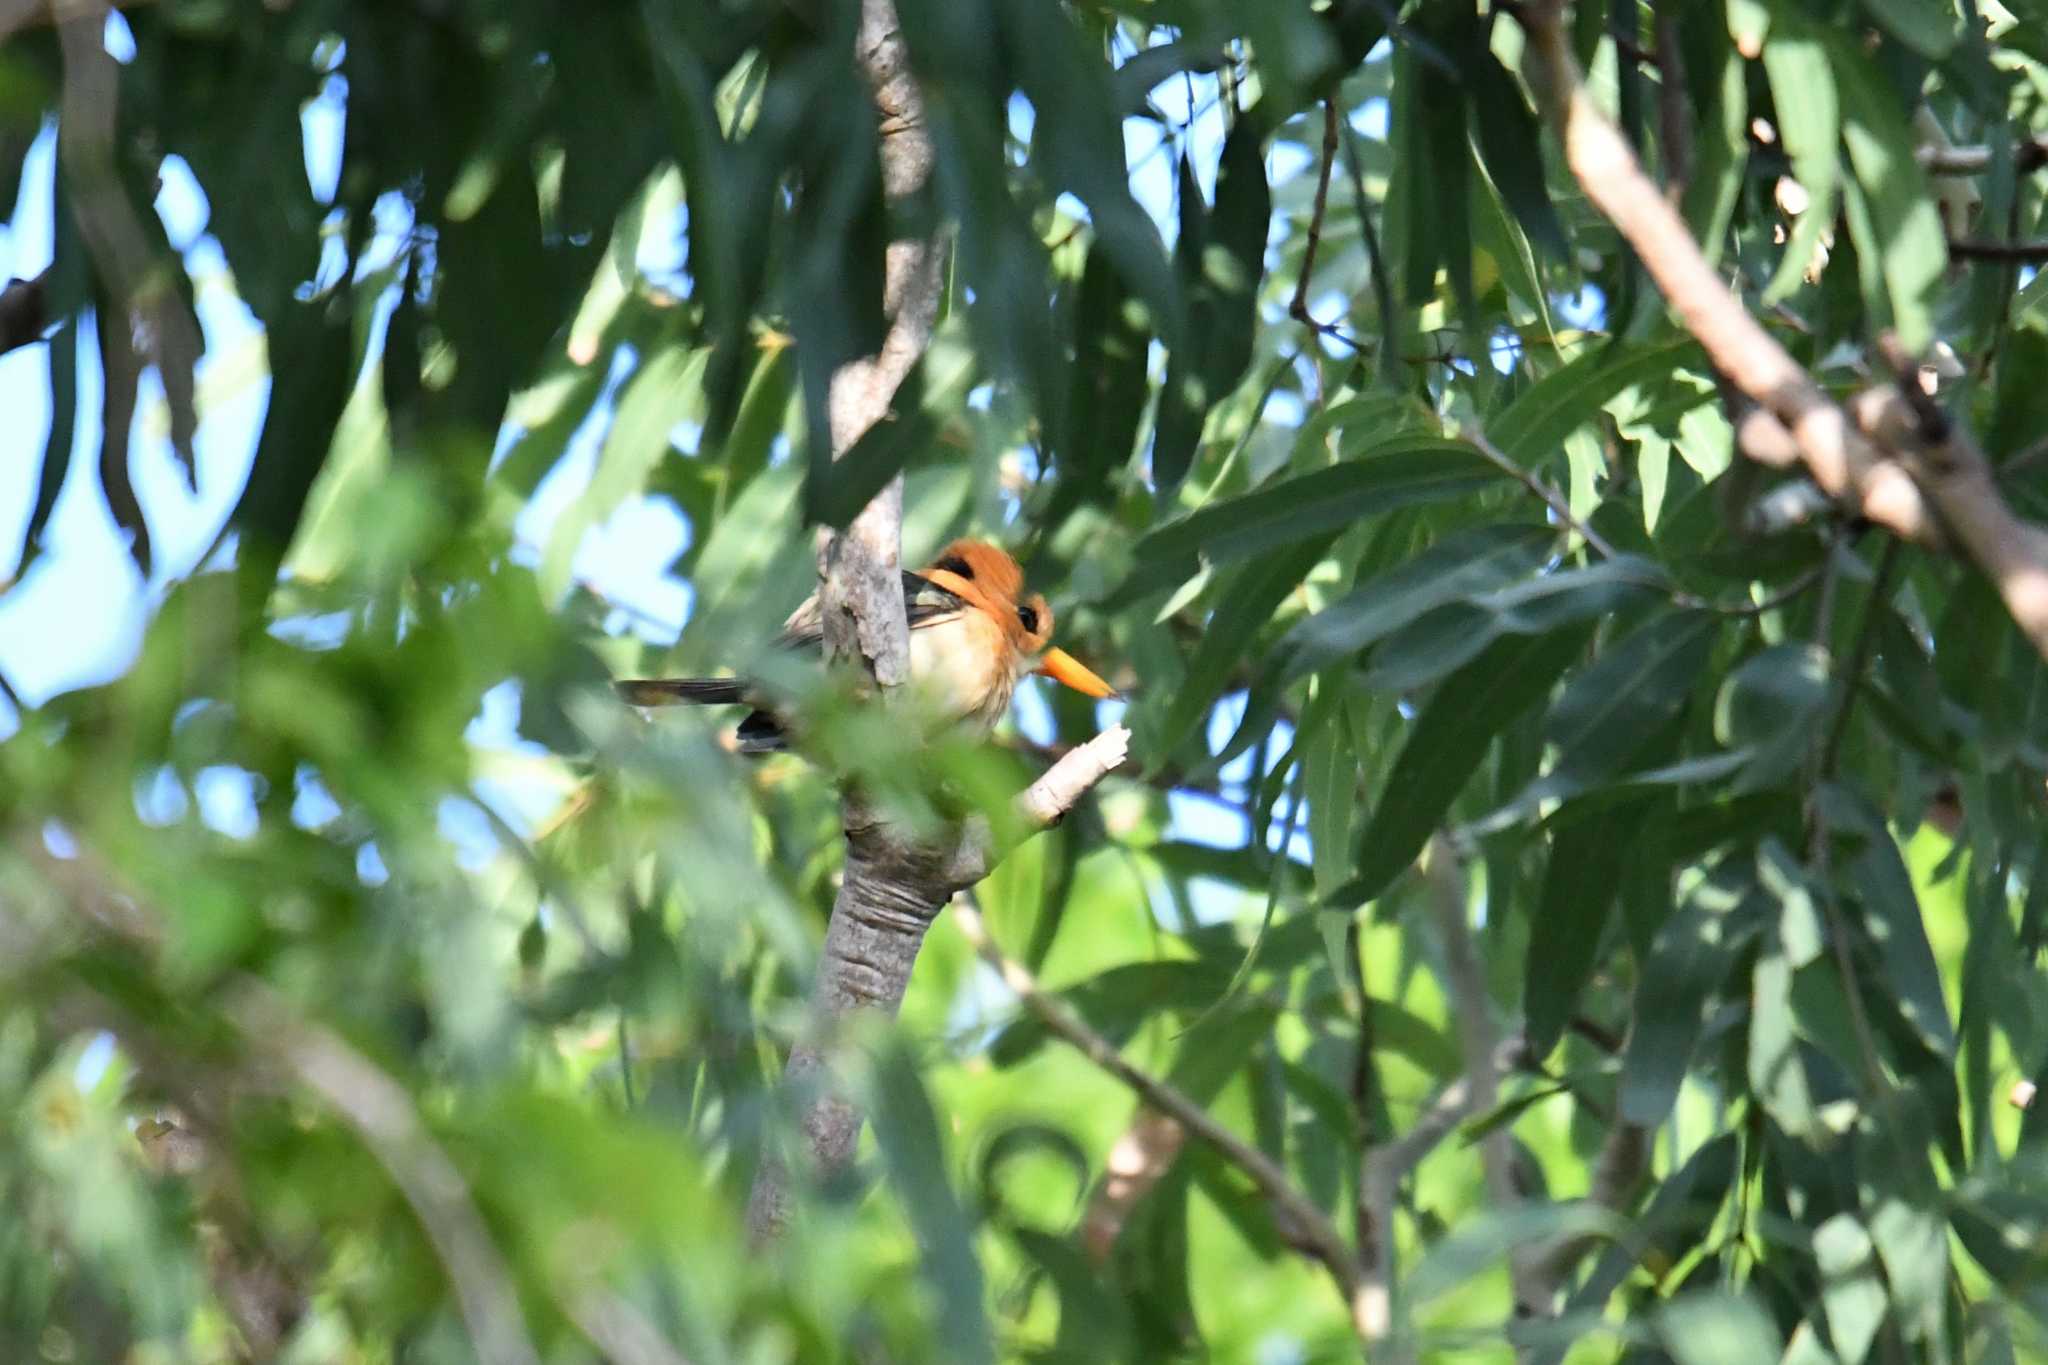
pixel 670 691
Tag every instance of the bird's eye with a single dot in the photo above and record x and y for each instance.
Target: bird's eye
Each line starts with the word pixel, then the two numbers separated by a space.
pixel 954 564
pixel 1029 618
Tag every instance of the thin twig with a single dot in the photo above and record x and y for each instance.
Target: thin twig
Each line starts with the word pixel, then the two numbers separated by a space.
pixel 2005 253
pixel 1382 282
pixel 1551 498
pixel 1674 116
pixel 1298 309
pixel 1299 1221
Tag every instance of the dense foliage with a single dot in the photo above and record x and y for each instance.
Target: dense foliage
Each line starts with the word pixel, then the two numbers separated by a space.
pixel 371 981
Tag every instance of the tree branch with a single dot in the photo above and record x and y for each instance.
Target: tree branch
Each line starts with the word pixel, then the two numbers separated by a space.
pixel 1919 490
pixel 1300 1222
pixel 884 904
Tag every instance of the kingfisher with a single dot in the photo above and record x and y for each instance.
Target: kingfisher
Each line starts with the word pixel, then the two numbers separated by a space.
pixel 974 634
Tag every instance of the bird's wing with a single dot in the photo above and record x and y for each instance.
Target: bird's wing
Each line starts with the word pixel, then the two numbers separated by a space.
pixel 925 603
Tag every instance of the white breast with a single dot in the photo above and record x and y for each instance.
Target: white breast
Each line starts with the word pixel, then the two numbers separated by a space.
pixel 964 666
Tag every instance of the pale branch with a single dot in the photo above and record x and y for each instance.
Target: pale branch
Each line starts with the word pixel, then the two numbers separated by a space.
pixel 1299 1222
pixel 1380 1173
pixel 1136 1162
pixel 379 1109
pixel 1919 491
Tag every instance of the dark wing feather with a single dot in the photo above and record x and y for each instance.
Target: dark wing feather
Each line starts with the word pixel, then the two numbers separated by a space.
pixel 923 603
pixel 669 691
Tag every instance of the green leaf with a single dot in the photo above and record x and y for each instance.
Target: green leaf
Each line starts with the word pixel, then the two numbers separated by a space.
pixel 1247 605
pixel 1879 874
pixel 1770 706
pixel 1107 397
pixel 1428 648
pixel 1446 743
pixel 1331 766
pixel 1926 26
pixel 1637 686
pixel 1463 564
pixel 1718 1329
pixel 1407 471
pixel 1721 146
pixel 1508 141
pixel 1907 238
pixel 1077 143
pixel 1809 122
pixel 1485 1239
pixel 1852 1294
pixel 1688 959
pixel 1678 1215
pixel 1221 261
pixel 1777 1072
pixel 1579 889
pixel 1912 1243
pixel 1533 427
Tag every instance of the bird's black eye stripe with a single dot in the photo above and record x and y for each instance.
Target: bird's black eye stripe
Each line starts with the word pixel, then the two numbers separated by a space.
pixel 954 564
pixel 1029 618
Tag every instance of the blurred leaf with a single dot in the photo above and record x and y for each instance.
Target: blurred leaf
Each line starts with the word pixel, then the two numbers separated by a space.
pixel 57 445
pixel 1886 889
pixel 1810 123
pixel 1852 1293
pixel 637 442
pixel 1907 238
pixel 1717 1329
pixel 1926 26
pixel 907 1131
pixel 1770 706
pixel 1221 256
pixel 1107 397
pixel 1507 138
pixel 1447 637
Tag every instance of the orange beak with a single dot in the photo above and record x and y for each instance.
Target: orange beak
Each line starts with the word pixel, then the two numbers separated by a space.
pixel 1063 667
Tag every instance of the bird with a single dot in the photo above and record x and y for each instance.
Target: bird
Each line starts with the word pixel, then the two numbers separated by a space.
pixel 974 634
